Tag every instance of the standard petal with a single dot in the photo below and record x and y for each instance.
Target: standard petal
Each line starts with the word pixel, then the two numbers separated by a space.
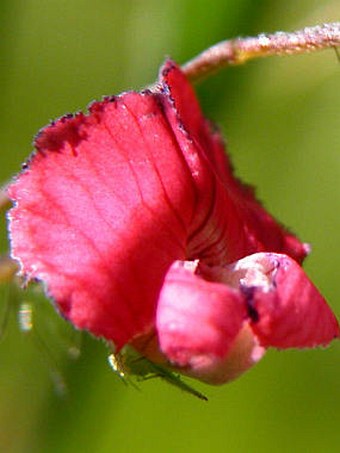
pixel 200 326
pixel 285 307
pixel 101 212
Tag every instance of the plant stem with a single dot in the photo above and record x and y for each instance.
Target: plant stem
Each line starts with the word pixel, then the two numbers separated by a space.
pixel 239 50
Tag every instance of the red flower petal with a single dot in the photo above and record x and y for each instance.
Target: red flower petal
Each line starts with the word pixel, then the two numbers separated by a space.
pixel 286 308
pixel 101 213
pixel 229 223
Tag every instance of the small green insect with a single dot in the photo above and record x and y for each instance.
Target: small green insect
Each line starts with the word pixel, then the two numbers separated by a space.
pixel 128 364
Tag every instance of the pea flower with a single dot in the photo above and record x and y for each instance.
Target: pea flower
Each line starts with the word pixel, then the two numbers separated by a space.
pixel 132 218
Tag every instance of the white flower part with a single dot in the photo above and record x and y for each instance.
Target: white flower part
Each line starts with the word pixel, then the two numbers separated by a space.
pixel 257 270
pixel 244 353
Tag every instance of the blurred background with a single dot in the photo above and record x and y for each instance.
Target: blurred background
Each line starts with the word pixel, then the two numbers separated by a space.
pixel 281 119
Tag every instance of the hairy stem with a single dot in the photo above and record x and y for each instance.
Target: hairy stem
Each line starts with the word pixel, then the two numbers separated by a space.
pixel 239 50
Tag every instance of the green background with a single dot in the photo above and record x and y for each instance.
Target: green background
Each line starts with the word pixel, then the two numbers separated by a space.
pixel 281 117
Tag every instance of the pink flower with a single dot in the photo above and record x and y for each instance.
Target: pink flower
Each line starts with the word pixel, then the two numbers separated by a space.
pixel 133 220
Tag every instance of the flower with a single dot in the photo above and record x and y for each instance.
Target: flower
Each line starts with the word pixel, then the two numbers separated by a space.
pixel 132 218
